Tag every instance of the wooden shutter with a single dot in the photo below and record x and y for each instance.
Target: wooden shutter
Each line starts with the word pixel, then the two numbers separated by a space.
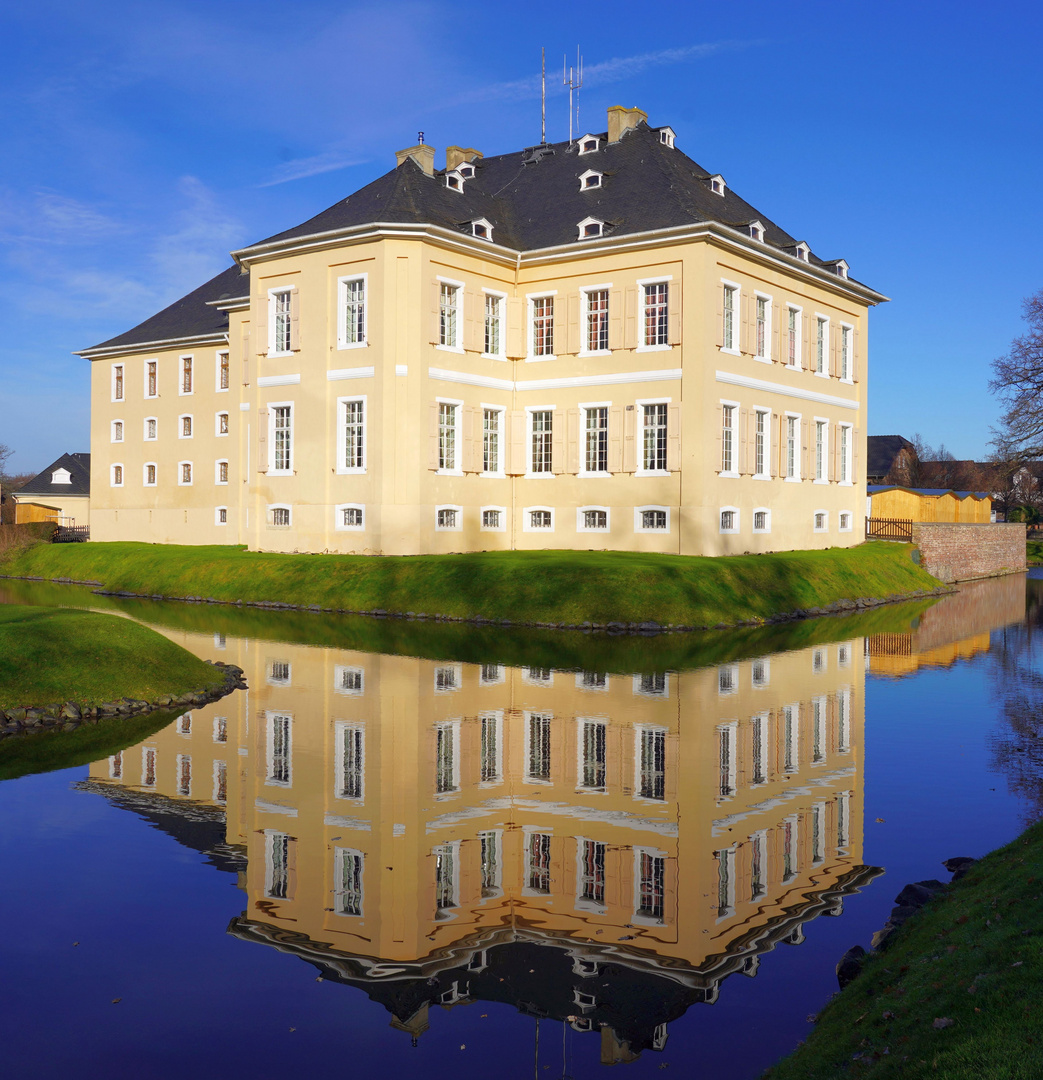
pixel 673 437
pixel 615 439
pixel 472 323
pixel 557 441
pixel 246 354
pixel 472 426
pixel 720 315
pixel 745 331
pixel 775 462
pixel 434 334
pixel 573 341
pixel 516 459
pixel 743 459
pixel 574 421
pixel 295 319
pixel 291 868
pixel 262 439
pixel 630 439
pixel 432 432
pixel 674 313
pixel 261 326
pixel 615 319
pixel 854 355
pixel 718 410
pixel 515 327
pixel 805 345
pixel 630 318
pixel 805 455
pixel 855 434
pixel 834 352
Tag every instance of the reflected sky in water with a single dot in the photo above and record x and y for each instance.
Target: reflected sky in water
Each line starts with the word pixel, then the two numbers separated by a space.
pixel 431 851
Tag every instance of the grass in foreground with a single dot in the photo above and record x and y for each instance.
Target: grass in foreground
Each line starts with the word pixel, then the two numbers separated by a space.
pixel 541 586
pixel 1034 552
pixel 973 957
pixel 61 654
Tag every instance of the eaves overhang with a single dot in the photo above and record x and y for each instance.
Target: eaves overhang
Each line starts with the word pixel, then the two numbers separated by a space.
pixel 236 303
pixel 99 353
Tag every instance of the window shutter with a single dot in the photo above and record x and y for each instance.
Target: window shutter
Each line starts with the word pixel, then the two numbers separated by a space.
pixel 805 344
pixel 615 319
pixel 746 342
pixel 515 327
pixel 472 340
pixel 471 457
pixel 262 440
pixel 630 439
pixel 776 332
pixel 516 460
pixel 572 342
pixel 855 434
pixel 775 465
pixel 673 437
pixel 291 869
pixel 557 442
pixel 805 455
pixel 744 418
pixel 674 312
pixel 615 439
pixel 295 319
pixel 834 353
pixel 574 419
pixel 261 326
pixel 245 349
pixel 854 355
pixel 432 442
pixel 435 327
pixel 834 458
pixel 630 317
pixel 718 409
pixel 720 315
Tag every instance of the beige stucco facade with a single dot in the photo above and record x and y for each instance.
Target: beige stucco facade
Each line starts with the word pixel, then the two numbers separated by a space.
pixel 676 388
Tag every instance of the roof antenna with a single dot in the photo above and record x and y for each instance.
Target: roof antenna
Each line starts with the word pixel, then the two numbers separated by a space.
pixel 543 95
pixel 573 80
pixel 420 138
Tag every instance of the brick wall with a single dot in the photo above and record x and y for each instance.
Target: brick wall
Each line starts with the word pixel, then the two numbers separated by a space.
pixel 958 552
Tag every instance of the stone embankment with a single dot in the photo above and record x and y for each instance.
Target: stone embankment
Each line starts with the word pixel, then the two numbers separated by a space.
pixel 69 715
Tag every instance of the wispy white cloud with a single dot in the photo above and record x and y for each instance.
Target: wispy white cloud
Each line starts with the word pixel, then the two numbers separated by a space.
pixel 299 168
pixel 47 217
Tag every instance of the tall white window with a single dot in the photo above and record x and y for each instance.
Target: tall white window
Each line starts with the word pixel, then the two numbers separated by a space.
pixel 542 329
pixel 489 840
pixel 726 750
pixel 281 301
pixel 492 437
pixel 845 353
pixel 761 437
pixel 793 337
pixel 353 312
pixel 725 882
pixel 282 438
pixel 493 325
pixel 792 447
pixel 151 383
pixel 595 457
pixel 728 438
pixel 117 476
pixel 591 876
pixel 353 437
pixel 731 298
pixel 651 874
pixel 538 747
pixel 542 441
pixel 790 737
pixel 821 344
pixel 491 750
pixel 759 749
pixel 280 750
pixel 222 423
pixel 221 472
pixel 596 337
pixel 117 382
pixel 653 442
pixel 446 751
pixel 821 449
pixel 537 857
pixel 223 371
pixel 150 428
pixel 447 415
pixel 117 431
pixel 184 473
pixel 445 876
pixel 762 328
pixel 186 375
pixel 276 865
pixel 348 867
pixel 449 315
pixel 655 321
pixel 844 453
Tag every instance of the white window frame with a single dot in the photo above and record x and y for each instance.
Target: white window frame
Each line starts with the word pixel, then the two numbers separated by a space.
pixel 145 437
pixel 647 920
pixel 273 293
pixel 718 185
pixel 217 516
pixel 482 229
pixel 667 136
pixel 218 388
pixel 338 517
pixel 272 406
pixel 727 680
pixel 733 472
pixel 765 411
pixel 584 327
pixel 736 291
pixel 824 478
pixel 497 679
pixel 217 472
pixel 766 510
pixel 342 311
pixel 500 473
pixel 218 433
pixel 527 525
pixel 190 357
pixel 640 403
pixel 822 320
pixel 824 528
pixel 180 473
pixel 340 856
pixel 639 511
pixel 587 223
pixel 580 527
pixel 756 230
pixel 580 143
pixel 721 511
pixel 121 433
pixel 769 321
pixel 784 442
pixel 339 671
pixel 640 731
pixel 584 177
pixel 529 410
pixel 269 741
pixel 342 429
pixel 181 425
pixel 502 527
pixel 530 326
pixel 112 474
pixel 593 907
pixel 638 691
pixel 458 307
pixel 269 515
pixel 642 345
pixel 501 310
pixel 456 683
pixel 798 351
pixel 122 369
pixel 845 455
pixel 144 474
pixel 847 331
pixel 458 527
pixel 144 368
pixel 584 473
pixel 458 445
pixel 841 527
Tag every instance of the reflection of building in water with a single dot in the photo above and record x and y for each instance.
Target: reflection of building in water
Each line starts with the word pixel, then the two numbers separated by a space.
pixel 425 830
pixel 958 627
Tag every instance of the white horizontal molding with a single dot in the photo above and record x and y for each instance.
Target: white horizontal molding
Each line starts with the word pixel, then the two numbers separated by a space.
pixel 279 380
pixel 401 369
pixel 350 373
pixel 274 808
pixel 339 821
pixel 732 379
pixel 568 382
pixel 244 406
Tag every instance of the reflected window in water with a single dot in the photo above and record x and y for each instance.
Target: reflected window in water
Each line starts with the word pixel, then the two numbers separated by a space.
pixel 220 729
pixel 184 775
pixel 537 856
pixel 539 676
pixel 184 724
pixel 818 731
pixel 726 740
pixel 445 877
pixel 844 655
pixel 790 737
pixel 446 756
pixel 491 766
pixel 651 684
pixel 280 750
pixel 843 812
pixel 348 865
pixel 220 782
pixel 592 756
pixel 148 767
pixel 760 674
pixel 537 751
pixel 491 675
pixel 277 865
pixel 349 680
pixel 789 848
pixel 448 677
pixel 725 883
pixel 116 766
pixel 591 680
pixel 817 813
pixel 279 673
pixel 585 969
pixel 759 748
pixel 651 874
pixel 818 661
pixel 843 721
pixel 350 756
pixel 584 1001
pixel 490 843
pixel 758 863
pixel 591 875
pixel 728 679
pixel 651 760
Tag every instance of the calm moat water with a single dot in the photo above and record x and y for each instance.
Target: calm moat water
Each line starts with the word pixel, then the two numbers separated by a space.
pixel 429 850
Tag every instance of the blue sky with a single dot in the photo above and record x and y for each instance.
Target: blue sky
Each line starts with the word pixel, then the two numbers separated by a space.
pixel 142 142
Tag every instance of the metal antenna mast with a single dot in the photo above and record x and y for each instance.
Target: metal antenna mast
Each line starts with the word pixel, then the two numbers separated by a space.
pixel 543 95
pixel 573 79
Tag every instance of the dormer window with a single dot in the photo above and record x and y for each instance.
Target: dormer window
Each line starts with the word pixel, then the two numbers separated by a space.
pixel 841 268
pixel 666 137
pixel 590 179
pixel 591 227
pixel 588 144
pixel 454 180
pixel 717 184
pixel 756 231
pixel 466 171
pixel 61 476
pixel 801 251
pixel 482 228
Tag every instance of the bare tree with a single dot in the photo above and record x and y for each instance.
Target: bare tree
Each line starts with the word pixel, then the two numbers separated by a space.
pixel 5 453
pixel 1018 383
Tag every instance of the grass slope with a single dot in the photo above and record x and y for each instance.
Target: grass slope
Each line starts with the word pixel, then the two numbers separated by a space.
pixel 60 654
pixel 541 586
pixel 973 956
pixel 1034 552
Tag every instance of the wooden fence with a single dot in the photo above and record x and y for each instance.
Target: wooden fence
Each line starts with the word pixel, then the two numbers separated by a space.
pixel 889 529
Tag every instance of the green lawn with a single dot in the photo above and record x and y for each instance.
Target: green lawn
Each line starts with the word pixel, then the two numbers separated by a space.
pixel 1035 552
pixel 544 586
pixel 973 956
pixel 50 655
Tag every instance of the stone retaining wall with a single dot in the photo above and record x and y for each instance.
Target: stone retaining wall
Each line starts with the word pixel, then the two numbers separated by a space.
pixel 959 552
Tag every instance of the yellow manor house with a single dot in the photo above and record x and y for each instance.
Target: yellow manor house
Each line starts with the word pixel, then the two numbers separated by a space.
pixel 588 344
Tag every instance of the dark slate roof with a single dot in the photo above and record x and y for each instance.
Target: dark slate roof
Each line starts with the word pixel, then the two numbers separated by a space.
pixel 79 466
pixel 189 316
pixel 646 185
pixel 881 451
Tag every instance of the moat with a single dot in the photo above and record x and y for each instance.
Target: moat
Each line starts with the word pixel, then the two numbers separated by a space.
pixel 443 851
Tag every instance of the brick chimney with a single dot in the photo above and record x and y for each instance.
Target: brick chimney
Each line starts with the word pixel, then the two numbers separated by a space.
pixel 422 154
pixel 622 119
pixel 457 155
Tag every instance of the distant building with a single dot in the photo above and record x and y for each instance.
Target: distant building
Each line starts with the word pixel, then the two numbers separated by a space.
pixel 929 504
pixel 60 493
pixel 890 459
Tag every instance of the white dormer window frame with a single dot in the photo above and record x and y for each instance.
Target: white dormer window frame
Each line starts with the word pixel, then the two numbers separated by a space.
pixel 61 476
pixel 584 144
pixel 757 231
pixel 840 268
pixel 801 251
pixel 454 180
pixel 667 136
pixel 482 228
pixel 466 170
pixel 718 185
pixel 590 180
pixel 588 224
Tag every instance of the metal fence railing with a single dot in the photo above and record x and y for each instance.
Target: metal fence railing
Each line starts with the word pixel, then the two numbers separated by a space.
pixel 889 529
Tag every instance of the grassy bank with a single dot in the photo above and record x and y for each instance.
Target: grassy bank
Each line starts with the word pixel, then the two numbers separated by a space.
pixel 59 654
pixel 972 960
pixel 1034 552
pixel 545 586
